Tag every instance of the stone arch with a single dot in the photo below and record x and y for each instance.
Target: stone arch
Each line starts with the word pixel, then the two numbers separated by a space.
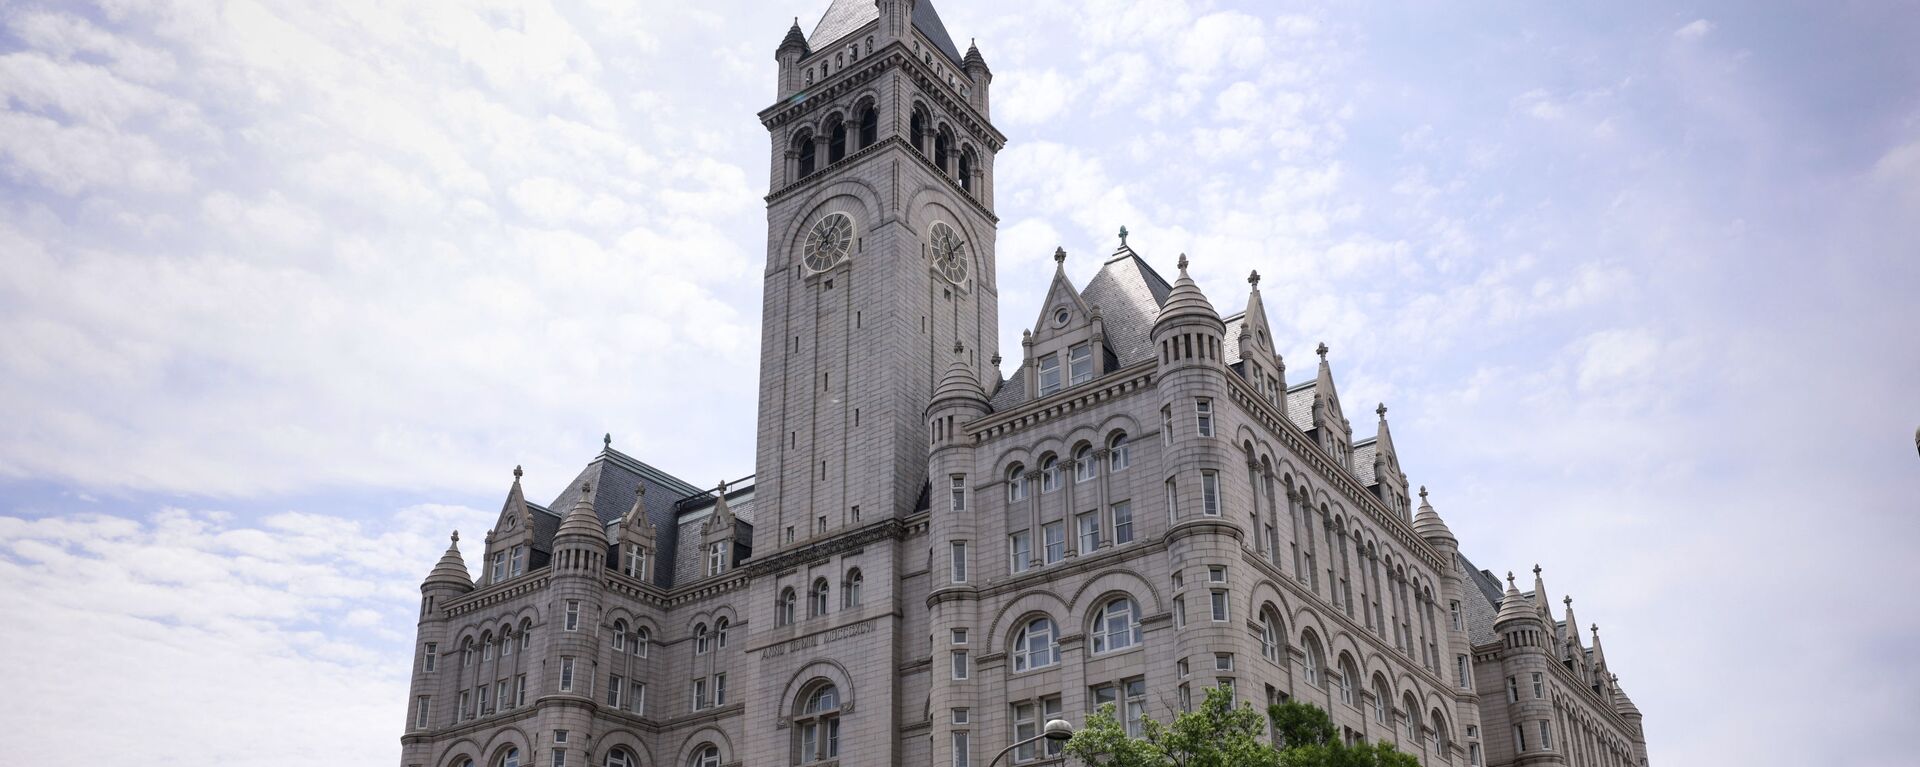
pixel 622 738
pixel 1116 581
pixel 865 217
pixel 508 736
pixel 1017 609
pixel 464 748
pixel 819 669
pixel 701 738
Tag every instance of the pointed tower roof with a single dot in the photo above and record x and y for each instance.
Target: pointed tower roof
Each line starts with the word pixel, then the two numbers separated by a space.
pixel 1428 523
pixel 794 37
pixel 959 383
pixel 1622 704
pixel 1513 606
pixel 1186 302
pixel 974 59
pixel 845 17
pixel 1599 655
pixel 451 570
pixel 1573 624
pixel 1383 437
pixel 722 514
pixel 581 520
pixel 637 516
pixel 1540 596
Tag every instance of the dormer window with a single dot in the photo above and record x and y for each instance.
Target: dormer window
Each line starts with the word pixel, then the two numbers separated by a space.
pixel 716 558
pixel 518 562
pixel 1079 364
pixel 1049 374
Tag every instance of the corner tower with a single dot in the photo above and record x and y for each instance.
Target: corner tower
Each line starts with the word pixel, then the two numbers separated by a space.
pixel 880 257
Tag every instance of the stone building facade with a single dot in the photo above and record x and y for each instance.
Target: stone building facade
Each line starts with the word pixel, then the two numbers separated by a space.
pixel 930 561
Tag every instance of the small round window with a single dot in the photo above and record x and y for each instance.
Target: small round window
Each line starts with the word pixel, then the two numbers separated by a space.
pixel 1060 317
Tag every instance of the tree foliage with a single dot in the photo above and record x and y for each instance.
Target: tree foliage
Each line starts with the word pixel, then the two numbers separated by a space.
pixel 1220 734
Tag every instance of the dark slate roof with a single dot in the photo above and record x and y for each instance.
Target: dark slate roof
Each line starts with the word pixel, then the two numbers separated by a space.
pixel 846 17
pixel 1231 352
pixel 1300 405
pixel 686 561
pixel 1129 294
pixel 1363 452
pixel 1011 393
pixel 1480 610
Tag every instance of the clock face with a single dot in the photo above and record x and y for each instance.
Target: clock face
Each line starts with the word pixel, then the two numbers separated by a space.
pixel 829 242
pixel 949 254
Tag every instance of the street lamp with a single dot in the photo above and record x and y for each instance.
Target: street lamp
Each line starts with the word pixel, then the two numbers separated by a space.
pixel 1056 729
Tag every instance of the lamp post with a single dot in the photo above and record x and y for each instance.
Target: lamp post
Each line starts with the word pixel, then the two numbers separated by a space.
pixel 1056 729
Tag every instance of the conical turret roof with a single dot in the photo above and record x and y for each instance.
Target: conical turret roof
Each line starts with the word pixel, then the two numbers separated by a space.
pixel 1428 523
pixel 451 569
pixel 1513 606
pixel 959 382
pixel 581 519
pixel 794 37
pixel 1186 302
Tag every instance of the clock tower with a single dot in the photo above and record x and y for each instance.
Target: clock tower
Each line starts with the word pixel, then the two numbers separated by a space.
pixel 880 260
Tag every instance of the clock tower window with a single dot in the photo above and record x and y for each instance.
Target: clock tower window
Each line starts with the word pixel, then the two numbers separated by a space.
pixel 803 147
pixel 837 141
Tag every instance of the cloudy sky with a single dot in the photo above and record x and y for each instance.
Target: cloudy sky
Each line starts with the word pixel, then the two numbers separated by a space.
pixel 287 289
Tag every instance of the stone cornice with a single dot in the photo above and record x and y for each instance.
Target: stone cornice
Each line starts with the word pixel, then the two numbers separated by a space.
pixel 497 593
pixel 1120 383
pixel 894 55
pixel 887 529
pixel 1310 453
pixel 874 149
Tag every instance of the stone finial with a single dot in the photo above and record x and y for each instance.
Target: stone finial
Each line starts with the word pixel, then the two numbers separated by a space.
pixel 517 473
pixel 586 487
pixel 1536 569
pixel 995 360
pixel 957 348
pixel 723 488
pixel 1322 351
pixel 1060 255
pixel 1596 629
pixel 607 441
pixel 1568 601
pixel 1381 411
pixel 1254 278
pixel 1182 263
pixel 1510 583
pixel 1123 236
pixel 456 536
pixel 1423 493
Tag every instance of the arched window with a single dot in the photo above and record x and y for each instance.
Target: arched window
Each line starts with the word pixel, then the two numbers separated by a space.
pixel 526 634
pixel 1411 710
pixel 720 633
pixel 917 128
pixel 620 757
pixel 641 638
pixel 1316 662
pixel 816 725
pixel 1272 646
pixel 1049 474
pixel 1084 467
pixel 1118 454
pixel 817 599
pixel 966 169
pixel 869 126
pixel 837 141
pixel 509 758
pixel 850 590
pixel 1116 625
pixel 1016 483
pixel 620 636
pixel 1442 739
pixel 783 612
pixel 506 641
pixel 486 645
pixel 1382 695
pixel 803 145
pixel 700 639
pixel 942 147
pixel 1348 677
pixel 705 756
pixel 1034 646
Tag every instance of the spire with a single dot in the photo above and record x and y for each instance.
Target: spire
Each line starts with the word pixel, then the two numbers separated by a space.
pixel 1573 624
pixel 1428 524
pixel 959 383
pixel 795 38
pixel 722 515
pixel 581 519
pixel 1599 655
pixel 1060 258
pixel 1513 606
pixel 1186 302
pixel 1383 439
pixel 973 59
pixel 637 516
pixel 451 570
pixel 1540 595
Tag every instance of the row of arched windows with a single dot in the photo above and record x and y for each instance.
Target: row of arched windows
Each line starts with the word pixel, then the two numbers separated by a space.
pixel 1343 678
pixel 819 596
pixel 706 755
pixel 1086 467
pixel 937 142
pixel 842 137
pixel 841 59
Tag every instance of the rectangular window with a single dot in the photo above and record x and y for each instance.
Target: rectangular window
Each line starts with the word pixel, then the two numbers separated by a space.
pixel 1179 612
pixel 1223 661
pixel 1540 684
pixel 962 756
pixel 431 659
pixel 1513 690
pixel 1020 550
pixel 566 674
pixel 573 615
pixel 716 558
pixel 1080 364
pixel 615 688
pixel 1519 738
pixel 1186 697
pixel 1050 709
pixel 520 691
pixel 1546 735
pixel 1453 610
pixel 499 566
pixel 1216 574
pixel 1173 501
pixel 638 698
pixel 958 492
pixel 486 651
pixel 699 694
pixel 1049 374
pixel 503 695
pixel 1166 424
pixel 789 533
pixel 519 560
pixel 1219 606
pixel 466 700
pixel 959 561
pixel 959 636
pixel 1089 524
pixel 1054 535
pixel 1210 493
pixel 1473 755
pixel 1460 671
pixel 959 664
pixel 719 689
pixel 1136 705
pixel 1203 416
pixel 1122 523
pixel 962 715
pixel 559 757
pixel 1180 668
pixel 420 715
pixel 1026 726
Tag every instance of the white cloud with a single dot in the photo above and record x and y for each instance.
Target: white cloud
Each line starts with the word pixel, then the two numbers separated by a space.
pixel 1694 30
pixel 1023 98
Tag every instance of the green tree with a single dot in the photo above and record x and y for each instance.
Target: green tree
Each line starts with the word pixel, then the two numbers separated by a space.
pixel 1221 734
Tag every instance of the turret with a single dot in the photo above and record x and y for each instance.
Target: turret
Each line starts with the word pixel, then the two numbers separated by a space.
pixel 580 545
pixel 975 66
pixel 1456 654
pixel 792 49
pixel 449 576
pixel 1188 331
pixel 1526 661
pixel 427 707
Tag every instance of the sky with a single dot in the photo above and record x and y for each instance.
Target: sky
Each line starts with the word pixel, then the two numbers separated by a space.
pixel 287 289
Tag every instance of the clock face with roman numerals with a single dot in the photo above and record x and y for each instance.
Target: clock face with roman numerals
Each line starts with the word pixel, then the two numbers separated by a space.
pixel 829 242
pixel 950 254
